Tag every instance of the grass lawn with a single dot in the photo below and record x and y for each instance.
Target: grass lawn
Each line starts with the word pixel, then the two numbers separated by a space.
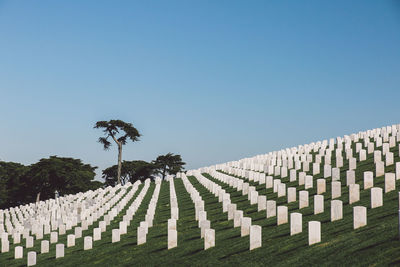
pixel 375 244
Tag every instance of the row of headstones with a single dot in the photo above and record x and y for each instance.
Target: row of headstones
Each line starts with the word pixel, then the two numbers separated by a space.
pixel 130 212
pixel 206 232
pixel 172 231
pixel 328 170
pixel 354 194
pixel 318 146
pixel 49 211
pixel 144 226
pixel 37 229
pixel 39 232
pixel 307 180
pixel 304 158
pixel 281 212
pixel 271 210
pixel 254 231
pixel 70 238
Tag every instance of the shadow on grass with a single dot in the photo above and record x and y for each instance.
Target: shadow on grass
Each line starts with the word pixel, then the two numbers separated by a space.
pixel 232 254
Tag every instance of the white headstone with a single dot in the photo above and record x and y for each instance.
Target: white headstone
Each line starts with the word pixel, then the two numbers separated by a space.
pixel 237 218
pixel 336 189
pixel 59 251
pixel 78 232
pixel 262 203
pixel 314 232
pixel 359 216
pixel 53 237
pixel 31 258
pixel 88 243
pixel 245 226
pixel 390 182
pixel 209 238
pixel 282 215
pixel 291 194
pixel 96 234
pixel 336 210
pixel 354 193
pixel 44 246
pixel 271 208
pixel 368 180
pixel 318 204
pixel 303 196
pixel 172 239
pixel 380 168
pixel 308 182
pixel 350 177
pixel 70 240
pixel 29 242
pixel 321 186
pixel 18 252
pixel 376 197
pixel 141 235
pixel 255 237
pixel 296 223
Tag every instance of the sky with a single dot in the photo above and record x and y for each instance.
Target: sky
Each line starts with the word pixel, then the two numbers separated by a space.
pixel 213 81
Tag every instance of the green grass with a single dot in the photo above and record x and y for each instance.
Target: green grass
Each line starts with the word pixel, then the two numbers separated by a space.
pixel 375 244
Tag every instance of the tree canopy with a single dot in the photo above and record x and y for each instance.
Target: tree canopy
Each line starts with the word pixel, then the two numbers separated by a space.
pixel 131 171
pixel 168 164
pixel 11 176
pixel 21 184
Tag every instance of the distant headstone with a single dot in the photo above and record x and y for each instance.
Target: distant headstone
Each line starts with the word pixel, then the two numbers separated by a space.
pixel 354 193
pixel 336 189
pixel 321 186
pixel 368 180
pixel 31 258
pixel 303 196
pixel 336 210
pixel 282 217
pixel 245 226
pixel 314 232
pixel 390 182
pixel 255 237
pixel 172 239
pixel 44 246
pixel 359 216
pixel 70 240
pixel 291 197
pixel 59 251
pixel 376 197
pixel 88 243
pixel 271 208
pixel 318 204
pixel 296 223
pixel 18 252
pixel 209 239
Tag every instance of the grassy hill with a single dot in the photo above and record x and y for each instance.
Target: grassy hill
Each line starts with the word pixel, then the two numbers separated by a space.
pixel 376 244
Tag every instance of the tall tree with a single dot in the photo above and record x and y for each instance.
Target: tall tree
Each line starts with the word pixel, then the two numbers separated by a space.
pixel 168 164
pixel 112 129
pixel 131 171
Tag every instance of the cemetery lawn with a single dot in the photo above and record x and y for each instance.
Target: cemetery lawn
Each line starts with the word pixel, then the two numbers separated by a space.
pixel 375 244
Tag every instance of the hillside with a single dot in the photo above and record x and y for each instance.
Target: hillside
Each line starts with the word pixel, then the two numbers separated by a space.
pixel 376 243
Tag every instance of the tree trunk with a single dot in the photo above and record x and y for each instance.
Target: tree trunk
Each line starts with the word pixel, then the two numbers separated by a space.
pixel 38 197
pixel 119 163
pixel 163 173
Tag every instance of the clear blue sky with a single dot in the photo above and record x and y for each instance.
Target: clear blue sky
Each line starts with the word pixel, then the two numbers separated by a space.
pixel 213 81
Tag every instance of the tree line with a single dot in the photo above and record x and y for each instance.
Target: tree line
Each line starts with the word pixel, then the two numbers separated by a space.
pixel 20 184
